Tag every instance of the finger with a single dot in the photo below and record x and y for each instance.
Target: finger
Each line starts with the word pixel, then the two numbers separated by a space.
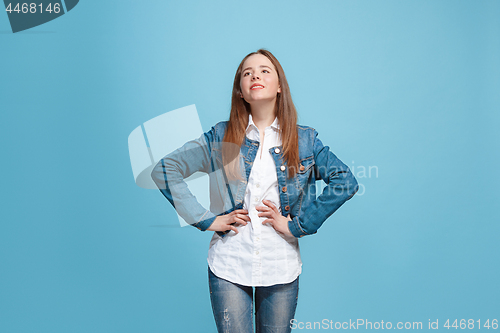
pixel 265 214
pixel 245 217
pixel 270 204
pixel 240 221
pixel 275 208
pixel 240 211
pixel 233 229
pixel 268 221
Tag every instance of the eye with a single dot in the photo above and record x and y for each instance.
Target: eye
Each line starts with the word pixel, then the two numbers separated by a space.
pixel 245 74
pixel 265 70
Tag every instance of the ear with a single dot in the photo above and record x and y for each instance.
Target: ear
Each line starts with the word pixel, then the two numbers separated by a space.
pixel 279 89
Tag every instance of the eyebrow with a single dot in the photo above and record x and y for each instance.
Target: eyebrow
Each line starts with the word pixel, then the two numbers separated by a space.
pixel 261 66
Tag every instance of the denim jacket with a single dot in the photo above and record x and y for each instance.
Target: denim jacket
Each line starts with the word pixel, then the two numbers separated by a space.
pixel 297 194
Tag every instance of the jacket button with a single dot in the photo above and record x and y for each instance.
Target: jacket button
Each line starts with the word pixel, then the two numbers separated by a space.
pixel 283 168
pixel 277 150
pixel 283 188
pixel 302 167
pixel 287 207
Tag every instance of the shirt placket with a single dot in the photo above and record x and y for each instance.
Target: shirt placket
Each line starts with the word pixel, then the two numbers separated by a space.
pixel 257 226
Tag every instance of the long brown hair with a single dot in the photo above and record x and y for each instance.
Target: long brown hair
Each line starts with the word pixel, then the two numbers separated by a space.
pixel 238 120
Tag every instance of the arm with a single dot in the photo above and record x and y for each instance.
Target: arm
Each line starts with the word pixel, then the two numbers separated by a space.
pixel 341 186
pixel 169 172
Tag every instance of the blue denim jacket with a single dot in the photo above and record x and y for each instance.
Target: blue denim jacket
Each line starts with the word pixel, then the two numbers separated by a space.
pixel 297 194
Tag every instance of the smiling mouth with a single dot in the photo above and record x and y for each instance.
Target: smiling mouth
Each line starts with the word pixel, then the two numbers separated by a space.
pixel 257 87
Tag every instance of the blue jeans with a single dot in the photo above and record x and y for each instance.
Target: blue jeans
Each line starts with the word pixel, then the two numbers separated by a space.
pixel 232 305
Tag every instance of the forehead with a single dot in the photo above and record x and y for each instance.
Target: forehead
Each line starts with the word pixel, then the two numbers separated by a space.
pixel 257 60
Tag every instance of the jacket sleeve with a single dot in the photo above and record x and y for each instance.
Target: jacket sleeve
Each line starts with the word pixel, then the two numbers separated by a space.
pixel 169 174
pixel 341 186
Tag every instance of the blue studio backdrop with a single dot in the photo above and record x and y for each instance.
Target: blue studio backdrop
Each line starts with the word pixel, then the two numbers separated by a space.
pixel 406 93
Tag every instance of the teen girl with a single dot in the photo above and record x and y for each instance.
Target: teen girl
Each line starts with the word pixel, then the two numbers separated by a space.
pixel 263 168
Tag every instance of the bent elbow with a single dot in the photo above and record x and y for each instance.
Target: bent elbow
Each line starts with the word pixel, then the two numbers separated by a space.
pixel 352 185
pixel 346 183
pixel 159 174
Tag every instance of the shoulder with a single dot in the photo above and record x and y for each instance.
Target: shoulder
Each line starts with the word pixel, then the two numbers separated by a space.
pixel 304 127
pixel 306 132
pixel 307 136
pixel 217 131
pixel 221 126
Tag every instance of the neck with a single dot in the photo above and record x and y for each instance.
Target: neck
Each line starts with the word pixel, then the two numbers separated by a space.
pixel 263 115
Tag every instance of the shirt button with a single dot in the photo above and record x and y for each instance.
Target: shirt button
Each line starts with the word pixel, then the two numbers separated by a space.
pixel 256 252
pixel 283 188
pixel 287 207
pixel 277 150
pixel 256 199
pixel 282 168
pixel 257 185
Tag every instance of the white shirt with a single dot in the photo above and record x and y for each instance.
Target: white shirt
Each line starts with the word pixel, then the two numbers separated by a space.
pixel 257 255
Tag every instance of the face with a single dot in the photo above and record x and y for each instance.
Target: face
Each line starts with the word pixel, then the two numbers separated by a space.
pixel 259 80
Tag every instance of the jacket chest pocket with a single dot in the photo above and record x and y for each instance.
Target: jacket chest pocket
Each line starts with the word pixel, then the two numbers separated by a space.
pixel 304 172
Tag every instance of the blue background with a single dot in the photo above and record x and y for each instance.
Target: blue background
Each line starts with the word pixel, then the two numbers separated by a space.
pixel 408 87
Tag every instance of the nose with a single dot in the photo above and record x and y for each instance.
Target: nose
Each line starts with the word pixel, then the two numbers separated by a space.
pixel 255 76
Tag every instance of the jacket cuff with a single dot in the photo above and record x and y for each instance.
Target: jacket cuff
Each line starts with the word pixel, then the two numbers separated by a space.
pixel 222 233
pixel 205 224
pixel 295 228
pixel 207 221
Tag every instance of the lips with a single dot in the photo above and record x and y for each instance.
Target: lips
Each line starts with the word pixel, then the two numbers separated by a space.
pixel 256 86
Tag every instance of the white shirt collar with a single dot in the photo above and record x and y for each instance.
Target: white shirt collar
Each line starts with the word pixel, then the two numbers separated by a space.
pixel 251 124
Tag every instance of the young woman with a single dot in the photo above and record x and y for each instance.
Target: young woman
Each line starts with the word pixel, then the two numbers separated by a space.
pixel 263 168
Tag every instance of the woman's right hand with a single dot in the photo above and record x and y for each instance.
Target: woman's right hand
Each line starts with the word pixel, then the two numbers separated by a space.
pixel 228 221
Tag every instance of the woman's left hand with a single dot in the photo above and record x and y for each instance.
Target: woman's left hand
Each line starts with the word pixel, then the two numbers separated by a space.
pixel 277 221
